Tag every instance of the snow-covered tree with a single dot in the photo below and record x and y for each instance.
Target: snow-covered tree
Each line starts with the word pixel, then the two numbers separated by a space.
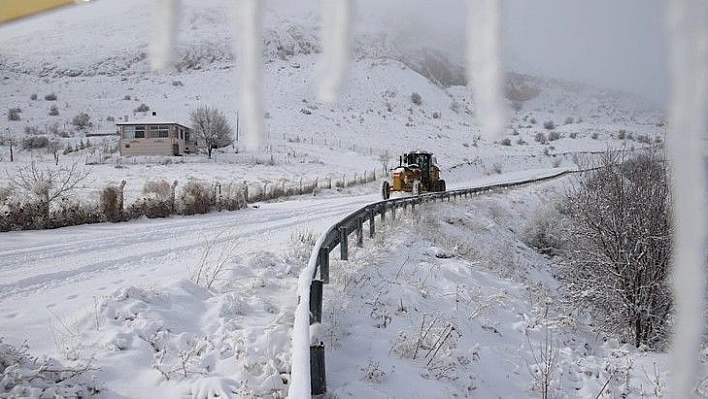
pixel 620 247
pixel 211 127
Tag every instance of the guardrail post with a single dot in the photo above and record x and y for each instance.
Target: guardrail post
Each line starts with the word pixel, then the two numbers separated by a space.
pixel 315 302
pixel 372 225
pixel 383 213
pixel 343 243
pixel 318 375
pixel 324 265
pixel 359 232
pixel 393 213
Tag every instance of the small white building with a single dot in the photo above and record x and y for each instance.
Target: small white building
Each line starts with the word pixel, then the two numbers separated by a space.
pixel 155 136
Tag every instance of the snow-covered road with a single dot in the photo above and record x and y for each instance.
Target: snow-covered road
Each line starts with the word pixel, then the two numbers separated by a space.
pixel 56 275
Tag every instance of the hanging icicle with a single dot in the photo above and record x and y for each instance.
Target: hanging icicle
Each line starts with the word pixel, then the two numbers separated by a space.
pixel 688 30
pixel 162 45
pixel 484 64
pixel 334 62
pixel 247 22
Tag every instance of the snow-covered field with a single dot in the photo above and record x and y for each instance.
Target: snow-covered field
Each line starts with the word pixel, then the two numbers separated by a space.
pixel 446 301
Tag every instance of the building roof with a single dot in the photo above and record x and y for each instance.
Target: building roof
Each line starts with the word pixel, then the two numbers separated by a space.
pixel 151 120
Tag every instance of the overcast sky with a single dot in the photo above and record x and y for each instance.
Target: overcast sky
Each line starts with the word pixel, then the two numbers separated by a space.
pixel 614 43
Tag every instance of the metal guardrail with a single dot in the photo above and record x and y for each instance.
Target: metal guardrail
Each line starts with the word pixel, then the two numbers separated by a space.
pixel 312 280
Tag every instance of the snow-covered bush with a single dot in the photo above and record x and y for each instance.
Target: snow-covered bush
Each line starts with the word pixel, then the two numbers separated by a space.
pixel 544 231
pixel 196 198
pixel 149 207
pixel 34 142
pixel 619 248
pixel 25 376
pixel 81 121
pixel 301 243
pixel 540 138
pixel 13 114
pixel 161 189
pixel 111 202
pixel 230 197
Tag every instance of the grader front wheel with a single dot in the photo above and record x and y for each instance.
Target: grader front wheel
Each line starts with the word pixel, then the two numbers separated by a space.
pixel 385 190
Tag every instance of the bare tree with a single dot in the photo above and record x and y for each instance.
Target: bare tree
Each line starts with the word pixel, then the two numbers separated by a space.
pixel 10 140
pixel 620 247
pixel 47 185
pixel 53 148
pixel 211 126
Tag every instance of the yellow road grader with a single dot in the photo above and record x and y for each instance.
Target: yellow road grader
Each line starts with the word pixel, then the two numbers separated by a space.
pixel 416 173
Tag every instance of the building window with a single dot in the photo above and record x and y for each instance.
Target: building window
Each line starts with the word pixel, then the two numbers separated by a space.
pixel 134 132
pixel 159 132
pixel 181 134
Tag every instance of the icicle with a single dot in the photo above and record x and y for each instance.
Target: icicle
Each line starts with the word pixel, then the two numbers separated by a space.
pixel 335 53
pixel 167 12
pixel 484 64
pixel 688 31
pixel 250 59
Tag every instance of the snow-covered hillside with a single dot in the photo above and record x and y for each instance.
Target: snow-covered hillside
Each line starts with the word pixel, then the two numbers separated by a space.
pixel 122 302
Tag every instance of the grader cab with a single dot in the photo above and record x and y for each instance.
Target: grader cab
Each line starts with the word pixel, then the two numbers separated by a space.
pixel 416 173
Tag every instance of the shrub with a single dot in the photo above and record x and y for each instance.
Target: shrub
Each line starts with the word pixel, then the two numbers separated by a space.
pixel 72 213
pixel 161 188
pixel 111 203
pixel 142 108
pixel 34 142
pixel 196 198
pixel 81 121
pixel 549 125
pixel 416 99
pixel 150 207
pixel 25 375
pixel 506 142
pixel 569 120
pixel 553 136
pixel 520 141
pixel 643 138
pixel 544 231
pixel 621 238
pixel 33 96
pixel 53 110
pixel 13 114
pixel 595 135
pixel 50 97
pixel 231 197
pixel 573 135
pixel 540 138
pixel 622 134
pixel 22 214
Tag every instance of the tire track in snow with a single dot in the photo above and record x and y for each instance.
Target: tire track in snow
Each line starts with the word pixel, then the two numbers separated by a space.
pixel 133 247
